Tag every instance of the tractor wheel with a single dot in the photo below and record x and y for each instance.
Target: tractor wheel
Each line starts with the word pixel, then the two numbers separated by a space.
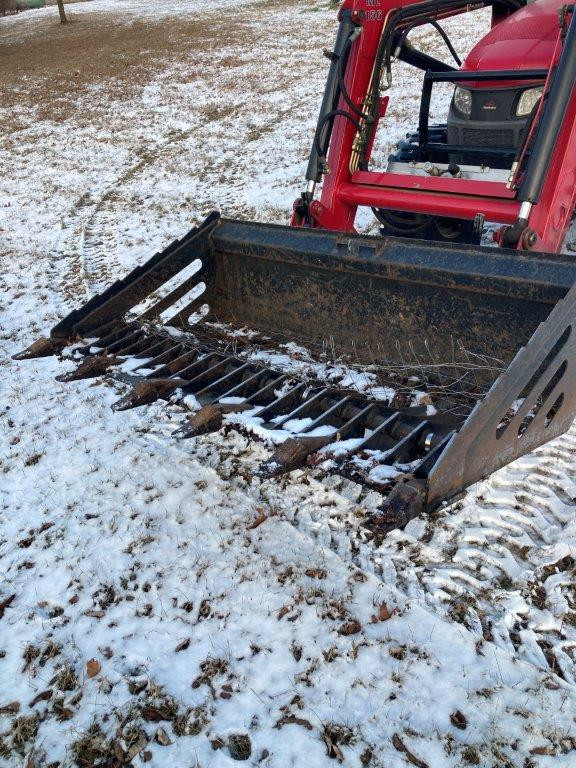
pixel 426 227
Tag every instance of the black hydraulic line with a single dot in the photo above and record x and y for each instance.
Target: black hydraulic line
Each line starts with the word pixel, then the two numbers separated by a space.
pixel 330 118
pixel 343 90
pixel 427 8
pixel 330 98
pixel 427 20
pixel 415 58
pixel 551 121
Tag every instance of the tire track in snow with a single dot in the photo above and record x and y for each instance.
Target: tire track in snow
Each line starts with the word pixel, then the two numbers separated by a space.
pixel 502 562
pixel 85 256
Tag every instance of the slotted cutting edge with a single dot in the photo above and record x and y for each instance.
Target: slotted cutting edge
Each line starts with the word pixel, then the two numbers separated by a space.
pixel 158 330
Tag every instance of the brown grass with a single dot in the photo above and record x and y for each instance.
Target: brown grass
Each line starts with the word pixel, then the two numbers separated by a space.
pixel 57 64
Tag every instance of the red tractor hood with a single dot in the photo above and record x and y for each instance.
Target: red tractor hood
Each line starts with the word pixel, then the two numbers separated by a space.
pixel 525 40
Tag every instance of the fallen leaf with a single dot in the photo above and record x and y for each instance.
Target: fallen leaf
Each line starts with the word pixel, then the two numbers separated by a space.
pixel 282 612
pixel 383 612
pixel 156 714
pixel 6 604
pixel 137 686
pixel 93 667
pixel 10 709
pixel 293 720
pixel 547 749
pixel 401 747
pixel 162 737
pixel 262 517
pixel 42 696
pixel 350 628
pixel 135 748
pixel 366 756
pixel 183 645
pixel 458 720
pixel 315 573
pixel 94 614
pixel 332 749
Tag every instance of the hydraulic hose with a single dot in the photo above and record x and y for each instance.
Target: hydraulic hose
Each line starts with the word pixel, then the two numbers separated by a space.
pixel 383 60
pixel 330 98
pixel 438 28
pixel 330 118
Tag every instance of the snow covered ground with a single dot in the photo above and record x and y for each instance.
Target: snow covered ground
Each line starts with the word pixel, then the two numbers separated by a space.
pixel 157 607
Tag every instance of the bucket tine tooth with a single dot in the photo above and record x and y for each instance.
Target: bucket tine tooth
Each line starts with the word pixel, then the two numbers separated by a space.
pixel 90 368
pixel 208 419
pixel 406 501
pixel 146 392
pixel 292 454
pixel 42 347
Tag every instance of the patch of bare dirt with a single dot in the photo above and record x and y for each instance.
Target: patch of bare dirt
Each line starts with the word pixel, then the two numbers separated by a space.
pixel 51 69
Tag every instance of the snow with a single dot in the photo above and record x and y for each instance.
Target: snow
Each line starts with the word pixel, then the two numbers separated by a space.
pixel 237 603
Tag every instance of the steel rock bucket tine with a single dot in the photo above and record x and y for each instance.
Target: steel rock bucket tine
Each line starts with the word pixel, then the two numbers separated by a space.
pixel 406 501
pixel 146 392
pixel 208 419
pixel 90 368
pixel 292 454
pixel 43 347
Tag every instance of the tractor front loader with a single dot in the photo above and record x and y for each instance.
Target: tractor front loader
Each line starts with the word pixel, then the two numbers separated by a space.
pixel 489 331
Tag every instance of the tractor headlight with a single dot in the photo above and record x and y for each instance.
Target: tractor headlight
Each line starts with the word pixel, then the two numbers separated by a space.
pixel 463 100
pixel 528 101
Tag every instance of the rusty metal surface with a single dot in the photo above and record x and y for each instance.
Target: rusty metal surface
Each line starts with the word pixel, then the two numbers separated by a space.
pixel 208 419
pixel 91 367
pixel 379 300
pixel 532 402
pixel 382 299
pixel 42 347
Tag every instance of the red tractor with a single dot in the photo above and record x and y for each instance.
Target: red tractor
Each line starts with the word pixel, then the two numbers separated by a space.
pixel 510 129
pixel 487 332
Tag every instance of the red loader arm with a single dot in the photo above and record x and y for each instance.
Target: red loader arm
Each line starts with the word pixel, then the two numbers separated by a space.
pixel 535 203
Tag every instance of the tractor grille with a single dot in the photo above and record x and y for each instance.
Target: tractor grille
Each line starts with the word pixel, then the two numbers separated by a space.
pixel 481 137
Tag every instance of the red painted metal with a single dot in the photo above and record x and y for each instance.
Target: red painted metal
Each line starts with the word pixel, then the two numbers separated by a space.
pixel 551 218
pixel 436 203
pixel 344 191
pixel 492 189
pixel 525 42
